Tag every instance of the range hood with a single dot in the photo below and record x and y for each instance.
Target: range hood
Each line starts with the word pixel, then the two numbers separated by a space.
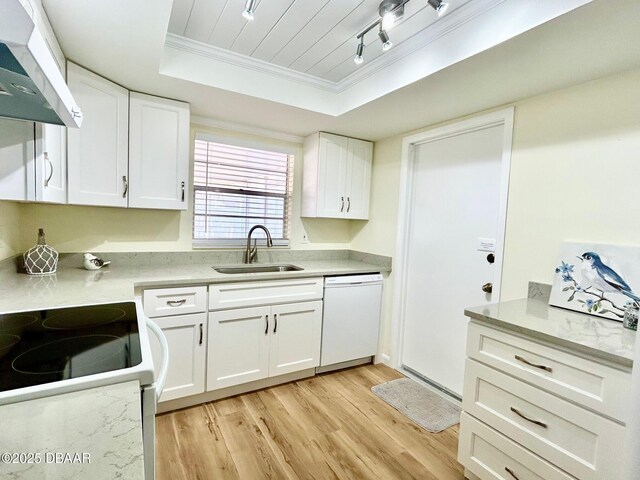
pixel 31 86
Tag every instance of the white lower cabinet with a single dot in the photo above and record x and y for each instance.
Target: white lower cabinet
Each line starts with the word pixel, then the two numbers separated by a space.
pixel 186 336
pixel 249 344
pixel 534 411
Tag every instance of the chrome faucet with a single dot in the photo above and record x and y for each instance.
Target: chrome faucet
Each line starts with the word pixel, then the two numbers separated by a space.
pixel 251 254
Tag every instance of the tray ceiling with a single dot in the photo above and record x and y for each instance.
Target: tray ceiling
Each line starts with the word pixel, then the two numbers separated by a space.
pixel 317 37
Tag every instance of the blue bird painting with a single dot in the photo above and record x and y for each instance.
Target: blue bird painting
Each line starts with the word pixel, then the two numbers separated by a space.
pixel 602 277
pixel 600 282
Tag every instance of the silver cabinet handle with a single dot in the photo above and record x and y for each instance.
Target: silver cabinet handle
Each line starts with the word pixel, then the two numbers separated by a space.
pixel 522 415
pixel 348 204
pixel 76 112
pixel 266 329
pixel 182 185
pixel 510 472
pixel 275 319
pixel 342 206
pixel 534 365
pixel 176 303
pixel 201 331
pixel 126 186
pixel 46 159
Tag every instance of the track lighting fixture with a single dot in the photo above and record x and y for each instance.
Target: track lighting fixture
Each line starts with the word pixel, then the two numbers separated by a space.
pixel 384 38
pixel 248 10
pixel 389 11
pixel 439 6
pixel 358 59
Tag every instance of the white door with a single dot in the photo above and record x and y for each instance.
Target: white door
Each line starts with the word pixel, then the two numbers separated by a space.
pixel 17 165
pixel 186 336
pixel 51 163
pixel 98 152
pixel 158 153
pixel 360 154
pixel 455 201
pixel 332 168
pixel 238 346
pixel 295 337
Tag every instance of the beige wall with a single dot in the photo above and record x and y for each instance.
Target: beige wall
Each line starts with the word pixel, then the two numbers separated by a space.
pixel 77 229
pixel 9 229
pixel 575 175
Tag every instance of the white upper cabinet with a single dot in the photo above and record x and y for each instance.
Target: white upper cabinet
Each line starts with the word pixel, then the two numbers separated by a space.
pixel 359 156
pixel 98 152
pixel 336 177
pixel 158 152
pixel 51 163
pixel 132 149
pixel 17 160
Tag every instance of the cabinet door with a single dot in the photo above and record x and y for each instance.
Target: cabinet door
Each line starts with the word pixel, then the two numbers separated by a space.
pixel 186 335
pixel 158 153
pixel 238 346
pixel 98 152
pixel 360 155
pixel 332 167
pixel 295 337
pixel 51 163
pixel 17 165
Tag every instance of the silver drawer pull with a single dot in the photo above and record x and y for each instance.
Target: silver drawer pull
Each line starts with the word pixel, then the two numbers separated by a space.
pixel 510 472
pixel 521 415
pixel 176 303
pixel 527 362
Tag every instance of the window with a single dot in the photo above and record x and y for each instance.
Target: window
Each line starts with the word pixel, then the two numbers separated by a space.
pixel 237 186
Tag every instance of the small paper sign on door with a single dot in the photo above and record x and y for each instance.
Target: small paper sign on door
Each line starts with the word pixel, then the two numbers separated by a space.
pixel 486 244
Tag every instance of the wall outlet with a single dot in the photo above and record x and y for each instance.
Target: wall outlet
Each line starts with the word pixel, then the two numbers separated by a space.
pixel 305 239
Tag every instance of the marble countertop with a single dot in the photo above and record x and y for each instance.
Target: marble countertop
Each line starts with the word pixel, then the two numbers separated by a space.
pixel 598 337
pixel 95 433
pixel 73 285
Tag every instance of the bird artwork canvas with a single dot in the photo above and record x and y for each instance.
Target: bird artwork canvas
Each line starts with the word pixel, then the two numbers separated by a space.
pixel 598 279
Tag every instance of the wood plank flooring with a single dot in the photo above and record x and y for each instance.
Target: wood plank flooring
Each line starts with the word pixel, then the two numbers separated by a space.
pixel 327 427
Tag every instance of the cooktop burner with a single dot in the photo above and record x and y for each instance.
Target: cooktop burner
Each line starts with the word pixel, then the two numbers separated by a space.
pixel 58 344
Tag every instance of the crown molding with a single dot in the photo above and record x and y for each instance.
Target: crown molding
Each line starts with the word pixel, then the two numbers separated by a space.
pixel 466 13
pixel 240 128
pixel 209 51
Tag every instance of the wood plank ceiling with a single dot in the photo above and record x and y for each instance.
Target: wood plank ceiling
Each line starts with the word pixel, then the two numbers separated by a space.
pixel 314 37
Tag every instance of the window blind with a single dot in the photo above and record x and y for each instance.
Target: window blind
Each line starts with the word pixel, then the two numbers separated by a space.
pixel 236 187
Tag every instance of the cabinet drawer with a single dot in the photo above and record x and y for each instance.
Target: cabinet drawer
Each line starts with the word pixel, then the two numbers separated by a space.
pixel 492 456
pixel 160 302
pixel 596 386
pixel 248 294
pixel 572 438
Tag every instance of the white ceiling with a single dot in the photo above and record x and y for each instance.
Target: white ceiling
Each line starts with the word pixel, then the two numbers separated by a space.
pixel 313 37
pixel 125 41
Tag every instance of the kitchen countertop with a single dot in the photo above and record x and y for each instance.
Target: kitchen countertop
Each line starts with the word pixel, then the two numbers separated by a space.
pixel 578 332
pixel 116 283
pixel 94 433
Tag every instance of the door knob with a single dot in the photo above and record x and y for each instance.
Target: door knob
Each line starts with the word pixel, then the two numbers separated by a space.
pixel 491 258
pixel 487 287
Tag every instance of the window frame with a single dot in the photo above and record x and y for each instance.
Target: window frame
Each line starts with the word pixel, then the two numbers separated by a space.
pixel 226 243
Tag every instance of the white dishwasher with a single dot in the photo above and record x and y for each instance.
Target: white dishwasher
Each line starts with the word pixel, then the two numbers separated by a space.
pixel 351 318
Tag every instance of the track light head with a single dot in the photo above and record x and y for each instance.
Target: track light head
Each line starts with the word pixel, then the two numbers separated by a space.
pixel 248 10
pixel 390 12
pixel 358 59
pixel 384 38
pixel 439 6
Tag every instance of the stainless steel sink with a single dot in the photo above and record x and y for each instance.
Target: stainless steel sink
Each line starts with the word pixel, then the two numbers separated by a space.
pixel 258 269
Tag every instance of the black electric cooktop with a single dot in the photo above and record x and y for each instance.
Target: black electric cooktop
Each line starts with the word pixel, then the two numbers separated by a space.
pixel 50 345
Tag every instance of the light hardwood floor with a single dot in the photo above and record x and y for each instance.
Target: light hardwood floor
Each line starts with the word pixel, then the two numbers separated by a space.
pixel 326 427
